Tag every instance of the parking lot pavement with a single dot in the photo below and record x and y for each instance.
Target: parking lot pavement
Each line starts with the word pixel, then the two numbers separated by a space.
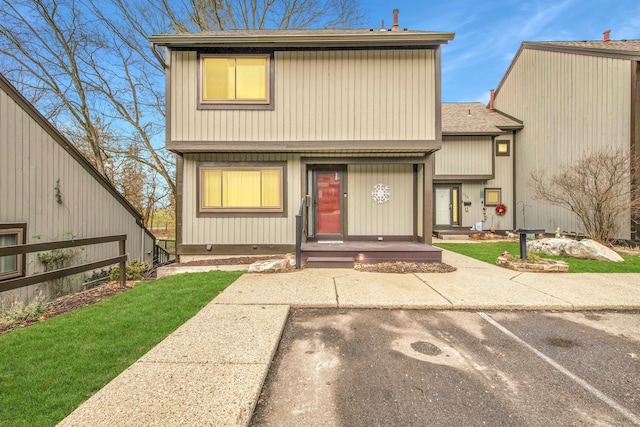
pixel 339 367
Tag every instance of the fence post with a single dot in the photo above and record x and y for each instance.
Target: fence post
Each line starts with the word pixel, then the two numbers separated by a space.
pixel 123 264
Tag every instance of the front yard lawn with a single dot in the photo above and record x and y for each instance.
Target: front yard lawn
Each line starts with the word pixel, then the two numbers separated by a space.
pixel 48 369
pixel 489 251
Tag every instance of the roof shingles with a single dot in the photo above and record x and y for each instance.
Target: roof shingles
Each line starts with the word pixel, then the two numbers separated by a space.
pixel 474 118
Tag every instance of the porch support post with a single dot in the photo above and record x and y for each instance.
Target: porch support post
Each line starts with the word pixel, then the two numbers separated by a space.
pixel 427 199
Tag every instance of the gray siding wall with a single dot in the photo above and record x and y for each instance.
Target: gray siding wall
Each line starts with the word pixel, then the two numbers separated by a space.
pixel 369 218
pixel 31 162
pixel 473 190
pixel 240 230
pixel 465 155
pixel 364 217
pixel 570 104
pixel 319 96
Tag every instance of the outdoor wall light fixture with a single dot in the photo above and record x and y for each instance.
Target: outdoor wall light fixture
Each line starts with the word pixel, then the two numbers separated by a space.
pixel 360 257
pixel 209 247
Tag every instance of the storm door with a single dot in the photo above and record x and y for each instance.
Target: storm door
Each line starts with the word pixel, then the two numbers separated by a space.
pixel 447 205
pixel 328 202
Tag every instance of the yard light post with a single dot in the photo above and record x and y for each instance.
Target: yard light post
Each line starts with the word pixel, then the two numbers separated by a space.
pixel 523 239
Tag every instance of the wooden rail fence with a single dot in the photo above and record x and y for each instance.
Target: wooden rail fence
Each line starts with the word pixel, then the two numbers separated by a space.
pixel 20 282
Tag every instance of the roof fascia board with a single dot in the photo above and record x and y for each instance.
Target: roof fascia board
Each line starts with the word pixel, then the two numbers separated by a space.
pixel 344 40
pixel 588 51
pixel 462 133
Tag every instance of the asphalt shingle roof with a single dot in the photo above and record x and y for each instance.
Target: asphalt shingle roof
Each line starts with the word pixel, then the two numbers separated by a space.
pixel 474 118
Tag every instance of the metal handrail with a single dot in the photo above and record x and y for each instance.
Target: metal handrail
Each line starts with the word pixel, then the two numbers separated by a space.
pixel 299 232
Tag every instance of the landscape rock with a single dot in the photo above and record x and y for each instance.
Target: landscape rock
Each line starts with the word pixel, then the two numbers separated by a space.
pixel 272 266
pixel 583 249
pixel 540 266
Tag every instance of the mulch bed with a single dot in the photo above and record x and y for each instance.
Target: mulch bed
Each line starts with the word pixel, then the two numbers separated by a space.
pixel 406 267
pixel 228 261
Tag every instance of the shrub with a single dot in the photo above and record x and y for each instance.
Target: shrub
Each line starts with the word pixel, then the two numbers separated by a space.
pixel 135 270
pixel 16 312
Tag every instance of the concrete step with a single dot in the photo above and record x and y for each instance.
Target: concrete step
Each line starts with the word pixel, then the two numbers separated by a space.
pixel 330 262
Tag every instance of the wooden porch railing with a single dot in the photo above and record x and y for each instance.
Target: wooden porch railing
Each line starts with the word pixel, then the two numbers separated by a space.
pixel 20 282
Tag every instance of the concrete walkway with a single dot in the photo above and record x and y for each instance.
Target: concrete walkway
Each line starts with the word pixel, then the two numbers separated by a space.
pixel 210 371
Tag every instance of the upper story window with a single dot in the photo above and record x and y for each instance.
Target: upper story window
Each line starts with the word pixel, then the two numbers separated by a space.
pixel 235 80
pixel 11 265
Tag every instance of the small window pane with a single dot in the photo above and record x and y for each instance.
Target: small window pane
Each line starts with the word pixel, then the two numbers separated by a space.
pixel 212 188
pixel 492 196
pixel 241 189
pixel 219 78
pixel 251 80
pixel 270 188
pixel 8 263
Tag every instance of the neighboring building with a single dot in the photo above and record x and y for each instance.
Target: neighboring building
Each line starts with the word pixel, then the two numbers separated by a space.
pixel 49 191
pixel 474 169
pixel 573 98
pixel 261 119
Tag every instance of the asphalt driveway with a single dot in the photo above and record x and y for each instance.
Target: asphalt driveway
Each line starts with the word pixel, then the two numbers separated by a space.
pixel 418 367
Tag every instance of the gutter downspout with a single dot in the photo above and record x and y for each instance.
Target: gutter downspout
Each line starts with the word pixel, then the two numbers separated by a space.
pixel 158 57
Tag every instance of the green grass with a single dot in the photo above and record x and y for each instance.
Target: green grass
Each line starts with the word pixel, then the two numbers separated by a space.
pixel 48 369
pixel 489 251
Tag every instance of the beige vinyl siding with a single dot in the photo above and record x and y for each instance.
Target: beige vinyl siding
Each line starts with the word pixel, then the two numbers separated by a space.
pixel 570 104
pixel 31 162
pixel 465 155
pixel 319 96
pixel 369 218
pixel 238 229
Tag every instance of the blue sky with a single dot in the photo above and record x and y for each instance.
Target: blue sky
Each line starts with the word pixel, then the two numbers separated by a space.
pixel 489 33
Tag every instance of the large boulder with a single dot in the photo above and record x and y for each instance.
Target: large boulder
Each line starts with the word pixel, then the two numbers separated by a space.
pixel 583 249
pixel 272 266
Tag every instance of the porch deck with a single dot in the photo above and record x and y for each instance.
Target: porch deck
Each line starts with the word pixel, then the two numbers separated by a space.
pixel 331 254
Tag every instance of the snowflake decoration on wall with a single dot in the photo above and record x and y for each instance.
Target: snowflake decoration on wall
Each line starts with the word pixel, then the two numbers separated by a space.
pixel 380 193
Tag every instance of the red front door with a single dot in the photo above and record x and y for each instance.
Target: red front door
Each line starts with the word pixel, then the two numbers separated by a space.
pixel 328 203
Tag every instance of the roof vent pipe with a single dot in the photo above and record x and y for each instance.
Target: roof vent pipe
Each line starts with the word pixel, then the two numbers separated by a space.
pixel 606 38
pixel 492 97
pixel 383 24
pixel 395 20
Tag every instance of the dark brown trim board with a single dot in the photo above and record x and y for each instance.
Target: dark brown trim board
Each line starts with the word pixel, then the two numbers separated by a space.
pixel 427 210
pixel 257 249
pixel 364 146
pixel 634 143
pixel 179 200
pixel 463 177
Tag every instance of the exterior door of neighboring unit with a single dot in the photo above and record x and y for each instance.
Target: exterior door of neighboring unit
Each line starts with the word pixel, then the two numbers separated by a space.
pixel 447 205
pixel 328 202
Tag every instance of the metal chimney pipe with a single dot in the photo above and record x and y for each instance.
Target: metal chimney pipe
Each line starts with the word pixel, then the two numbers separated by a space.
pixel 395 20
pixel 492 98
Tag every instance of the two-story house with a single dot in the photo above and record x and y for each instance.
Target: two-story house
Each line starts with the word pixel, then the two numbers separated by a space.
pixel 340 124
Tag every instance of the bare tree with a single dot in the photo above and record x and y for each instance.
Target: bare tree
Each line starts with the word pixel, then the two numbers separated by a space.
pixel 215 15
pixel 47 42
pixel 99 84
pixel 598 188
pixel 87 65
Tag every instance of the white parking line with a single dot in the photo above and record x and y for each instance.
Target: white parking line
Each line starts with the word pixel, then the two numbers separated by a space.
pixel 597 393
